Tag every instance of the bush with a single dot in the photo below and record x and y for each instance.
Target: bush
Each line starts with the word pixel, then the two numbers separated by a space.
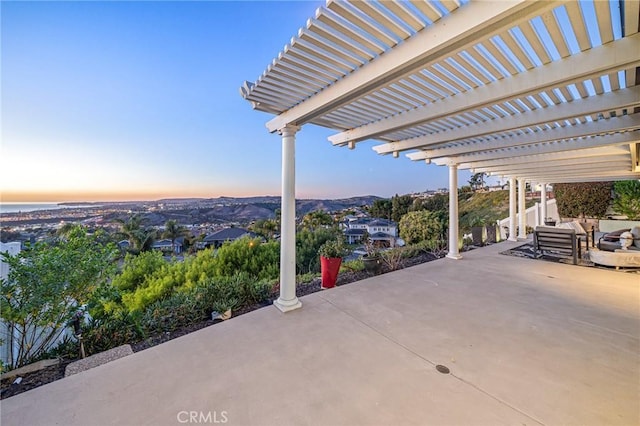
pixel 137 269
pixel 590 199
pixel 355 265
pixel 261 260
pixel 108 333
pixel 421 226
pixel 308 243
pixel 626 198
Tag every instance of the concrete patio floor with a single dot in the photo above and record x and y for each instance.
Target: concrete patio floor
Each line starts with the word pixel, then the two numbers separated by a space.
pixel 527 342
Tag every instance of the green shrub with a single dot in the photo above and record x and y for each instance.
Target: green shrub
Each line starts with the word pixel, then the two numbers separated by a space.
pixel 307 278
pixel 178 310
pixel 421 226
pixel 308 243
pixel 261 260
pixel 355 265
pixel 589 199
pixel 626 198
pixel 137 269
pixel 108 333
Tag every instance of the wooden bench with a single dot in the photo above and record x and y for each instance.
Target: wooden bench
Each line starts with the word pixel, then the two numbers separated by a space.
pixel 558 240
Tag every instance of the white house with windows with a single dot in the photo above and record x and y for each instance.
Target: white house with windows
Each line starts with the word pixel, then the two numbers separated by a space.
pixel 378 230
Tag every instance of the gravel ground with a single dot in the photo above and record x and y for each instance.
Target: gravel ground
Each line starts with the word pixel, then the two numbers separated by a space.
pixel 50 374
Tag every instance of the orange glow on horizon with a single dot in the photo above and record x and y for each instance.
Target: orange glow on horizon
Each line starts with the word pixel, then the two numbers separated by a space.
pixel 105 196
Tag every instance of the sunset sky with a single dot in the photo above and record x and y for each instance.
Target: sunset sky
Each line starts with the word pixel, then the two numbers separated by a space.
pixel 140 100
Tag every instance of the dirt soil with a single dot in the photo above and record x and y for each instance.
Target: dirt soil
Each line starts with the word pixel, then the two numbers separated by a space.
pixel 56 372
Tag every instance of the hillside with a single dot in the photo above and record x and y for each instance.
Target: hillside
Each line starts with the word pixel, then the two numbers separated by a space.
pixel 242 210
pixel 484 207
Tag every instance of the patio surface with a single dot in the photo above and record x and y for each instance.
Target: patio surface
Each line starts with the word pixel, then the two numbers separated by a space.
pixel 527 342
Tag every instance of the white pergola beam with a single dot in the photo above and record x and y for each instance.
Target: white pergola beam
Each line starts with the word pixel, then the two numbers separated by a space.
pixel 564 146
pixel 555 156
pixel 593 177
pixel 617 160
pixel 589 64
pixel 542 169
pixel 477 20
pixel 580 108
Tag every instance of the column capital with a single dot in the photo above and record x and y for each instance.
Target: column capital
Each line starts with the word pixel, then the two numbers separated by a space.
pixel 289 130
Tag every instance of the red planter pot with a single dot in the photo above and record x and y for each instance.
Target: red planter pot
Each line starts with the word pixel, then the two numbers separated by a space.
pixel 330 268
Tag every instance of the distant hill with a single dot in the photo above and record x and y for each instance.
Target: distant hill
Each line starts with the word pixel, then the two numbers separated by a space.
pixel 242 209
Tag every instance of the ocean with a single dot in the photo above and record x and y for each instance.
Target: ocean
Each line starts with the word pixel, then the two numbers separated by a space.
pixel 28 207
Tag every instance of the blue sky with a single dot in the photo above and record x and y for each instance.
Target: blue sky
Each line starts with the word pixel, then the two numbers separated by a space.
pixel 140 100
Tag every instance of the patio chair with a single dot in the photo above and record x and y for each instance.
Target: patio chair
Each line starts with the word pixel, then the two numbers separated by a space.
pixel 558 240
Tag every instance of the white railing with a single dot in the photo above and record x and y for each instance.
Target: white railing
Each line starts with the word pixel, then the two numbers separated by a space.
pixel 533 217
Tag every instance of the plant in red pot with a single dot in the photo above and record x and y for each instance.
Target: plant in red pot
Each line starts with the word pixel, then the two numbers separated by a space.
pixel 331 253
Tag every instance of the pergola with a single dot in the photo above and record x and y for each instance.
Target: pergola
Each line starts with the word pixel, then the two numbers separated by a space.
pixel 537 91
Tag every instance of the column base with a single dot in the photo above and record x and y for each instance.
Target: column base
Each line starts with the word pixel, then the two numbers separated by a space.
pixel 454 256
pixel 515 240
pixel 287 305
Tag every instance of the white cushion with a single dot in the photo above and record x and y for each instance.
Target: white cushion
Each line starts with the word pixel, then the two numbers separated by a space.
pixel 575 225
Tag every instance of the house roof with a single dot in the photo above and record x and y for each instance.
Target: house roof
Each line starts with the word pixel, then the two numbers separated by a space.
pixel 228 234
pixel 382 222
pixel 166 243
pixel 543 90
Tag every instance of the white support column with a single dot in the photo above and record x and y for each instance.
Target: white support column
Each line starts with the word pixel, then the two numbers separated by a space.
pixel 543 201
pixel 288 300
pixel 522 213
pixel 453 213
pixel 512 210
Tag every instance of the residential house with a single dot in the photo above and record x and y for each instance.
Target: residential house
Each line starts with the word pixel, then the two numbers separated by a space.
pixel 228 234
pixel 380 230
pixel 167 246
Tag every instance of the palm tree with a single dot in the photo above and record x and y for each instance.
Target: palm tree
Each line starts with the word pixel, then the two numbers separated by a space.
pixel 173 231
pixel 139 236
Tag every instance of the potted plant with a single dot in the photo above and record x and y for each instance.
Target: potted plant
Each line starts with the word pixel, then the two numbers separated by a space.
pixel 331 253
pixel 371 259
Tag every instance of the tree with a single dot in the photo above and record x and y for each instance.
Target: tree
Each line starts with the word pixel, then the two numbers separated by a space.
pixel 422 226
pixel 46 285
pixel 436 203
pixel 266 228
pixel 316 219
pixel 400 205
pixel 381 209
pixel 477 181
pixel 140 237
pixel 173 231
